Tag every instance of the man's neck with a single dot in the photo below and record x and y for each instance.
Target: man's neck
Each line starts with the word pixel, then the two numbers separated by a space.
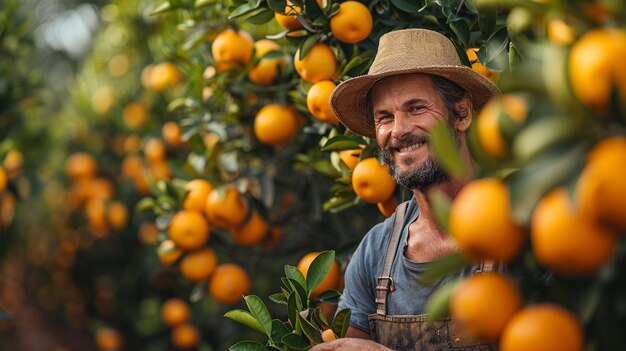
pixel 450 188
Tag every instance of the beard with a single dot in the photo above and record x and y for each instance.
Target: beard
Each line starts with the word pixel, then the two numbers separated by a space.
pixel 427 174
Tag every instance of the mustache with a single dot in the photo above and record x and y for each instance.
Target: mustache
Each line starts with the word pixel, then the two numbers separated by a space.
pixel 409 140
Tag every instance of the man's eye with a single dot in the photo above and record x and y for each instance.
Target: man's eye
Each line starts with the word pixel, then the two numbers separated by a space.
pixel 415 109
pixel 382 118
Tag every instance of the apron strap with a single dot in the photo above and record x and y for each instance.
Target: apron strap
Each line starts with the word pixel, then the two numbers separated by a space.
pixel 384 282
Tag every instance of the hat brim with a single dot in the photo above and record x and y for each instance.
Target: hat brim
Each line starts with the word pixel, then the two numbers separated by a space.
pixel 349 99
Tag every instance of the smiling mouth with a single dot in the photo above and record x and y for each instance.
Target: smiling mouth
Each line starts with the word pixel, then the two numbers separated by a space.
pixel 410 147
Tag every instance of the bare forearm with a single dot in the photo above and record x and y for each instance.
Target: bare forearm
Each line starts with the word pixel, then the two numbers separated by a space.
pixel 350 344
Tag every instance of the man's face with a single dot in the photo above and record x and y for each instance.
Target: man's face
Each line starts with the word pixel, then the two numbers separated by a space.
pixel 405 108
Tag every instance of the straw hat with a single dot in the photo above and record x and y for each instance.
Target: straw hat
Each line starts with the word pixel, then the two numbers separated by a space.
pixel 401 52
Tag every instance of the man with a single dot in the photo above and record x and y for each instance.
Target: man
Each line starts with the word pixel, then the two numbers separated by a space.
pixel 415 81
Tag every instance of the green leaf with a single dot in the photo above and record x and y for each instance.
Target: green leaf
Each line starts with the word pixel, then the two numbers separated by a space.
pixel 292 272
pixel 409 6
pixel 462 31
pixel 279 330
pixel 277 5
pixel 342 142
pixel 279 298
pixel 259 311
pixel 440 203
pixel 543 173
pixel 319 269
pixel 319 320
pixel 446 149
pixel 146 204
pixel 241 11
pixel 301 291
pixel 307 45
pixel 294 305
pixel 487 21
pixel 437 306
pixel 295 342
pixel 248 346
pixel 342 322
pixel 310 330
pixel 244 317
pixel 444 266
pixel 329 296
pixel 260 16
pixel 164 7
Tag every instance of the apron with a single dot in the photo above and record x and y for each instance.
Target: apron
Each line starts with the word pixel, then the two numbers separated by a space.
pixel 415 332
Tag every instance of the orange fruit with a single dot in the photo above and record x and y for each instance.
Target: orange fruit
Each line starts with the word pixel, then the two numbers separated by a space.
pixel 542 327
pixel 13 163
pixel 332 279
pixel 559 32
pixel 232 49
pixel 484 303
pixel 288 20
pixel 160 169
pixel 372 182
pixel 185 336
pixel 601 189
pixel 481 222
pixel 266 69
pixel 510 106
pixel 172 133
pixel 350 157
pixel 135 114
pixel 132 143
pixel 154 150
pixel 100 188
pixel 318 101
pixel 566 241
pixel 3 179
pixel 148 233
pixel 352 23
pixel 595 67
pixel 168 252
pixel 132 166
pixel 226 211
pixel 229 283
pixel 189 230
pixel 328 335
pixel 109 339
pixel 7 209
pixel 251 232
pixel 81 165
pixel 175 312
pixel 320 63
pixel 198 265
pixel 275 124
pixel 199 190
pixel 164 75
pixel 95 211
pixel 478 67
pixel 388 207
pixel 117 215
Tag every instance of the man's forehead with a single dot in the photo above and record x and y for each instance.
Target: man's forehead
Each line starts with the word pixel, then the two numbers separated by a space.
pixel 399 83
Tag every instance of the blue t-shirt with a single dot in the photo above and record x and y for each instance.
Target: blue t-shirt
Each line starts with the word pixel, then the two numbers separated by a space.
pixel 409 296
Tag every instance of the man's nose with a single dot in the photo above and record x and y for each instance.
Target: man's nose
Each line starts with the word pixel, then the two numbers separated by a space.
pixel 401 126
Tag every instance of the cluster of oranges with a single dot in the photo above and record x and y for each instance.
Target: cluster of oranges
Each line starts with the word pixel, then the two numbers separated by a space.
pixel 9 170
pixel 572 231
pixel 204 209
pixel 94 195
pixel 177 314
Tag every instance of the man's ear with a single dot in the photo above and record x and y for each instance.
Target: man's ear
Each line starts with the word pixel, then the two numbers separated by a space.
pixel 464 116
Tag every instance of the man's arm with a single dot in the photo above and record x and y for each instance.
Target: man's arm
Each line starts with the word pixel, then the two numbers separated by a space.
pixel 356 339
